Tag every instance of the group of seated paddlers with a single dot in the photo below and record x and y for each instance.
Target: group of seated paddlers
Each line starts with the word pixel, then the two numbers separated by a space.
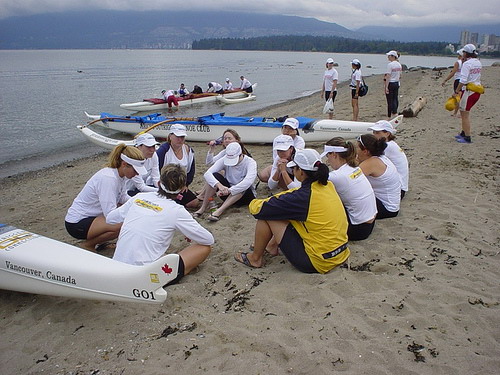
pixel 143 195
pixel 172 96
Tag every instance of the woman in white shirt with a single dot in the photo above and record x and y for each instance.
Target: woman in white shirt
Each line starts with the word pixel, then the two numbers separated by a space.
pixel 353 188
pixel 150 221
pixel 86 218
pixel 290 127
pixel 235 187
pixel 281 175
pixel 381 173
pixel 146 143
pixel 329 87
pixel 356 78
pixel 384 129
pixel 176 151
pixel 455 74
pixel 470 75
pixel 392 77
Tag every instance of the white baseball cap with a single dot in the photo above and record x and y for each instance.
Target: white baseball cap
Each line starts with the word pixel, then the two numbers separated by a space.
pixel 460 52
pixel 291 122
pixel 306 159
pixel 392 53
pixel 178 129
pixel 383 125
pixel 329 61
pixel 137 164
pixel 227 79
pixel 282 142
pixel 233 152
pixel 356 62
pixel 469 48
pixel 146 139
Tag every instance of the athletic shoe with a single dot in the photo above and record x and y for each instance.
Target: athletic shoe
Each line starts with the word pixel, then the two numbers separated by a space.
pixel 458 136
pixel 463 140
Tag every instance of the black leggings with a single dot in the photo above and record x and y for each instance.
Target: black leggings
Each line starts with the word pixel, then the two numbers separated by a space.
pixel 392 98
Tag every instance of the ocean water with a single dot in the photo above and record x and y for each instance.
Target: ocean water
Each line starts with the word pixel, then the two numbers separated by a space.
pixel 45 92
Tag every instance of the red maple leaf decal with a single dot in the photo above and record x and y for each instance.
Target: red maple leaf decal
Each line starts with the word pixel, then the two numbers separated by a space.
pixel 166 269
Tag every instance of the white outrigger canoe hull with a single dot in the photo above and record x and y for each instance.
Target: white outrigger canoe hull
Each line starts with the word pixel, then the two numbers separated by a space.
pixel 32 263
pixel 318 131
pixel 228 98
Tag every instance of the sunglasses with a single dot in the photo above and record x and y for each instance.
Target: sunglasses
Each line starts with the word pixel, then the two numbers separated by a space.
pixel 360 140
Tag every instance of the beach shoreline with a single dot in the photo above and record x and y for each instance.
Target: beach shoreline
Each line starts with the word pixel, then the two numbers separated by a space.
pixel 421 294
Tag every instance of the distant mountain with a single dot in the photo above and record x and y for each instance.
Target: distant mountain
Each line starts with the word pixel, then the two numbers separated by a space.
pixel 158 29
pixel 449 34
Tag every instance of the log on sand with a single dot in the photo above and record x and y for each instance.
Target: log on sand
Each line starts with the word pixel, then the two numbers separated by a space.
pixel 412 109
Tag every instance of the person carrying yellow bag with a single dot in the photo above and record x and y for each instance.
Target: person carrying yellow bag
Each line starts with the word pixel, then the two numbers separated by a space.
pixel 469 90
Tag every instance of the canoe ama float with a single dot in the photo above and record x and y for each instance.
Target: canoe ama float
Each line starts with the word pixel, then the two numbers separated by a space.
pixel 206 128
pixel 156 104
pixel 32 263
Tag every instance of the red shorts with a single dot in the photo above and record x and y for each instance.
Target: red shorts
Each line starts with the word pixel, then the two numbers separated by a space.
pixel 468 99
pixel 172 99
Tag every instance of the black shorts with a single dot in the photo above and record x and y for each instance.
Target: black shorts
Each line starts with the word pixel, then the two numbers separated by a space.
pixel 327 95
pixel 80 230
pixel 292 247
pixel 384 213
pixel 358 232
pixel 353 92
pixel 245 200
pixel 187 197
pixel 180 273
pixel 455 85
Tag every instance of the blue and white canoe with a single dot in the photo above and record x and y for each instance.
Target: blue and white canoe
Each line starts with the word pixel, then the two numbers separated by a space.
pixel 250 129
pixel 32 263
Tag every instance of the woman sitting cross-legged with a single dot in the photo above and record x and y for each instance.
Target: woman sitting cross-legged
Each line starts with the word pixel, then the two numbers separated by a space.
pixel 353 188
pixel 235 187
pixel 309 223
pixel 150 221
pixel 381 173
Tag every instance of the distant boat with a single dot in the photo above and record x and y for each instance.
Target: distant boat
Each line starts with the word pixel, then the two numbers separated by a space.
pixel 157 104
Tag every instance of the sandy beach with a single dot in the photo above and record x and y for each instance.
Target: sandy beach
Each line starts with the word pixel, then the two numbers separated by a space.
pixel 421 295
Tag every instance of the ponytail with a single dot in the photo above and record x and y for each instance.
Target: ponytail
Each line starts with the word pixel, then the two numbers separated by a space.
pixel 321 175
pixel 115 160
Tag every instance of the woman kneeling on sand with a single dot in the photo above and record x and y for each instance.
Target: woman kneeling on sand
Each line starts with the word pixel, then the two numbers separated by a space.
pixel 86 218
pixel 308 223
pixel 150 221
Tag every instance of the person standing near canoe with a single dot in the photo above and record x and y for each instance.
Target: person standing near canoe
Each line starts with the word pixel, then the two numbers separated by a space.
pixel 246 85
pixel 215 87
pixel 150 221
pixel 176 151
pixel 329 87
pixel 169 97
pixel 355 85
pixel 146 143
pixel 392 77
pixel 86 218
pixel 467 89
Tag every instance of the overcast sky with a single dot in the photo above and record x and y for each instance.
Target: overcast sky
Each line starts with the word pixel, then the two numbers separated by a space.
pixel 350 14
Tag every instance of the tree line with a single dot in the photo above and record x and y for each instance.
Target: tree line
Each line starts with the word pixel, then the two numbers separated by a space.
pixel 309 43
